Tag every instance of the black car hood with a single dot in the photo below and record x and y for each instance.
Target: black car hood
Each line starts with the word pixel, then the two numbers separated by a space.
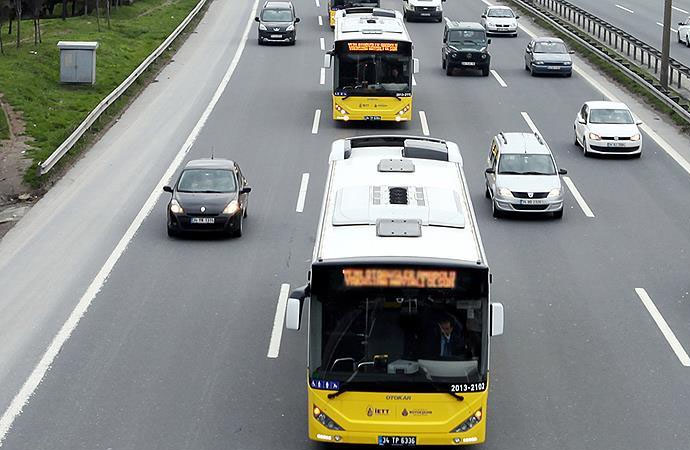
pixel 458 48
pixel 214 203
pixel 281 26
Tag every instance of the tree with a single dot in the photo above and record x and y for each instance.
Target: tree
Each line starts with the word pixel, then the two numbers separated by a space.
pixel 5 11
pixel 107 11
pixel 18 16
pixel 36 7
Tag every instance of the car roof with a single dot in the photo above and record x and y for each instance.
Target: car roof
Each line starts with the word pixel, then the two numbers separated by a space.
pixel 456 25
pixel 600 104
pixel 548 39
pixel 210 164
pixel 278 5
pixel 522 143
pixel 499 7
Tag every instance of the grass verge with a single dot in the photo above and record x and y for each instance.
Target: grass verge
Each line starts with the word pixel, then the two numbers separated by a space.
pixel 29 76
pixel 609 69
pixel 4 127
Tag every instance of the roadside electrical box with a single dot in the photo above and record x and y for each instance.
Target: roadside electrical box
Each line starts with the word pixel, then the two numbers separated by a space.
pixel 77 62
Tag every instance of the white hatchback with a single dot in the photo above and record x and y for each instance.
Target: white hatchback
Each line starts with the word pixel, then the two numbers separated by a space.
pixel 684 32
pixel 609 128
pixel 500 20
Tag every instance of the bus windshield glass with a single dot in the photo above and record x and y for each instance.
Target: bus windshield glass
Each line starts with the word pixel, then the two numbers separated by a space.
pixel 373 68
pixel 340 4
pixel 415 331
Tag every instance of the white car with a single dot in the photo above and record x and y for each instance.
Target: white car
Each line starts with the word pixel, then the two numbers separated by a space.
pixel 607 128
pixel 684 32
pixel 423 10
pixel 500 20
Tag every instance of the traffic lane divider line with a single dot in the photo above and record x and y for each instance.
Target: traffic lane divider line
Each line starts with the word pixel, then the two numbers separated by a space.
pixel 676 346
pixel 318 5
pixel 29 387
pixel 322 44
pixel 414 81
pixel 315 124
pixel 278 322
pixel 680 10
pixel 531 124
pixel 625 9
pixel 578 197
pixel 425 124
pixel 302 195
pixel 662 25
pixel 498 78
pixel 322 76
pixel 320 21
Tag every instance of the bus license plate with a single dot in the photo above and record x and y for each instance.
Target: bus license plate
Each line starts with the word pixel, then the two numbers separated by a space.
pixel 398 441
pixel 467 63
pixel 204 220
pixel 372 117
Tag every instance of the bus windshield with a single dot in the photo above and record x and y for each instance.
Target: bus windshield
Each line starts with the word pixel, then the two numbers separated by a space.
pixel 338 4
pixel 414 340
pixel 373 74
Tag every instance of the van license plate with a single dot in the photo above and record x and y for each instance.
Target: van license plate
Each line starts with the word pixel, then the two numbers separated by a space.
pixel 398 441
pixel 203 220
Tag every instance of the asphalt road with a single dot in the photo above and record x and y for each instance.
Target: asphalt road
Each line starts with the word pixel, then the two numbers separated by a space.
pixel 643 19
pixel 172 353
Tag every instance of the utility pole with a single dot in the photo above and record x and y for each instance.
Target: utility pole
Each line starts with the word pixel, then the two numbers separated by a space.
pixel 666 44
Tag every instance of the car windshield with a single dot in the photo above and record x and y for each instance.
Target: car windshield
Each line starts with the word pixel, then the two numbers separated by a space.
pixel 613 116
pixel 207 180
pixel 276 15
pixel 474 38
pixel 526 164
pixel 550 47
pixel 500 12
pixel 373 73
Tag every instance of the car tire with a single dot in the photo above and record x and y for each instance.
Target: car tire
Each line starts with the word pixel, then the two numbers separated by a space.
pixel 172 232
pixel 237 232
pixel 246 209
pixel 485 72
pixel 293 42
pixel 531 71
pixel 495 211
pixel 575 141
pixel 443 64
pixel 584 148
pixel 558 214
pixel 687 40
pixel 637 155
pixel 526 66
pixel 487 194
pixel 515 35
pixel 569 74
pixel 680 41
pixel 449 69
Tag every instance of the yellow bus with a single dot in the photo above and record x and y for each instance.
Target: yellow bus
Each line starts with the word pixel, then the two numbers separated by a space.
pixel 335 5
pixel 399 313
pixel 372 66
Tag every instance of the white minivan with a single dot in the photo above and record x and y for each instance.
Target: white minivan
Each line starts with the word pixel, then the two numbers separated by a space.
pixel 423 10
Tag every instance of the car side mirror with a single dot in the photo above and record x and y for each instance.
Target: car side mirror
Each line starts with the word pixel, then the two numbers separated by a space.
pixel 681 23
pixel 638 122
pixel 246 190
pixel 256 19
pixel 572 52
pixel 528 50
pixel 517 17
pixel 581 119
pixel 296 19
pixel 562 172
pixel 497 319
pixel 327 61
pixel 445 39
pixel 488 41
pixel 415 65
pixel 483 16
pixel 490 170
pixel 168 189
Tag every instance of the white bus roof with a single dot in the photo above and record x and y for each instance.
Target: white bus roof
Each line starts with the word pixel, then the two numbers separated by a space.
pixel 370 24
pixel 383 190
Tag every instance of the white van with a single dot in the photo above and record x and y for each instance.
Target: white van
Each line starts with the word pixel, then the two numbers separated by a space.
pixel 423 10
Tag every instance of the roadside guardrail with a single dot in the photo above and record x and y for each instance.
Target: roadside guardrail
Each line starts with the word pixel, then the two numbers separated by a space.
pixel 83 127
pixel 563 16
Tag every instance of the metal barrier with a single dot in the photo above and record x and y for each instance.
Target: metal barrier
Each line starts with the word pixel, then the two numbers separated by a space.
pixel 73 138
pixel 670 99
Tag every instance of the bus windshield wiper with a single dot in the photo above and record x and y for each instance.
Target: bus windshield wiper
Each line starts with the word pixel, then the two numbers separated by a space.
pixel 343 387
pixel 430 380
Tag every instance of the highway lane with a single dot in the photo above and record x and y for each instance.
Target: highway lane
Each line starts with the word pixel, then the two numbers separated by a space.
pixel 641 18
pixel 173 352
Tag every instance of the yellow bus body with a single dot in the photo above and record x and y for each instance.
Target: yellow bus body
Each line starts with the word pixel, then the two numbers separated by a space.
pixel 364 416
pixel 331 17
pixel 397 109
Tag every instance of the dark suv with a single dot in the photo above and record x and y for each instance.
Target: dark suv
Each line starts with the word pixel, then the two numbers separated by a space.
pixel 465 47
pixel 277 23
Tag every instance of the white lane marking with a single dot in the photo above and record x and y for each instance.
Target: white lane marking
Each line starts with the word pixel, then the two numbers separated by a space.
pixel 322 43
pixel 315 124
pixel 320 21
pixel 578 197
pixel 20 400
pixel 414 81
pixel 662 25
pixel 625 9
pixel 680 10
pixel 531 124
pixel 318 5
pixel 322 76
pixel 301 197
pixel 278 321
pixel 663 326
pixel 498 78
pixel 425 125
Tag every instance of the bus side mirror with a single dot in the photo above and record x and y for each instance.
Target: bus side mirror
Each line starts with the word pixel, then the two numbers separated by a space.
pixel 327 61
pixel 415 65
pixel 293 314
pixel 496 319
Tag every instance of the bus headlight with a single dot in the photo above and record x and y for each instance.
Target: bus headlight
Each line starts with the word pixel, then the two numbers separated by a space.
pixel 324 420
pixel 473 420
pixel 554 193
pixel 175 207
pixel 340 109
pixel 232 208
pixel 404 110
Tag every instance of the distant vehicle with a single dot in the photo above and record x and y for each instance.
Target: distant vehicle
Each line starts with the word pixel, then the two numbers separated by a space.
pixel 465 46
pixel 423 10
pixel 548 55
pixel 335 5
pixel 607 128
pixel 684 32
pixel 500 20
pixel 522 176
pixel 210 195
pixel 277 22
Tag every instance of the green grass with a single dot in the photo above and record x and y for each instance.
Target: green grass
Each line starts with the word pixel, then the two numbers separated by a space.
pixel 29 76
pixel 4 127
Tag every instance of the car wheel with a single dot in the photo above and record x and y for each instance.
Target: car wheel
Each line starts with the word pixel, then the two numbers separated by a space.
pixel 569 74
pixel 440 19
pixel 487 194
pixel 485 72
pixel 246 209
pixel 494 210
pixel 558 214
pixel 449 69
pixel 687 39
pixel 293 41
pixel 526 66
pixel 584 148
pixel 260 41
pixel 575 141
pixel 172 232
pixel 443 63
pixel 515 35
pixel 237 232
pixel 531 70
pixel 637 155
pixel 680 41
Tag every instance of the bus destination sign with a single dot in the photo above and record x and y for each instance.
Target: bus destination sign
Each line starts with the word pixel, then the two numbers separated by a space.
pixel 372 46
pixel 405 278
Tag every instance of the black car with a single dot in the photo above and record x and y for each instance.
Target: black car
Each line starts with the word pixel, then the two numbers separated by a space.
pixel 277 23
pixel 465 46
pixel 210 195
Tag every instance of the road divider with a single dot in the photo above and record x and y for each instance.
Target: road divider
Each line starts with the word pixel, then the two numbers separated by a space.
pixel 578 197
pixel 278 321
pixel 322 76
pixel 425 124
pixel 498 78
pixel 315 124
pixel 320 21
pixel 322 44
pixel 302 195
pixel 663 327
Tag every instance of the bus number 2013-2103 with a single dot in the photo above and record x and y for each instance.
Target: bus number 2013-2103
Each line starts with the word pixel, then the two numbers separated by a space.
pixel 468 387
